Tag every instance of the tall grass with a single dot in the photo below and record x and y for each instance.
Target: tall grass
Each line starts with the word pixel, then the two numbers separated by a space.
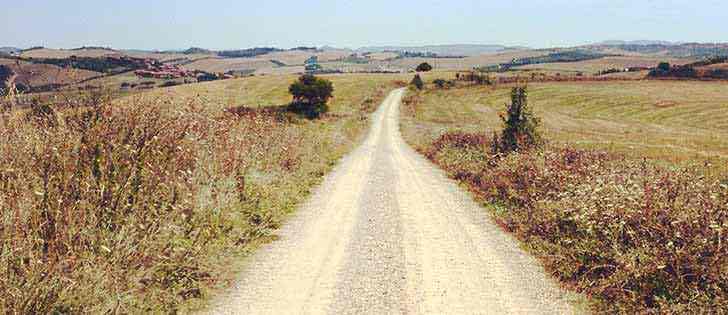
pixel 635 236
pixel 129 207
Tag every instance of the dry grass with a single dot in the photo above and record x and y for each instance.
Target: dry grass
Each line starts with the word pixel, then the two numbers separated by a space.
pixel 66 53
pixel 262 64
pixel 635 237
pixel 215 64
pixel 36 75
pixel 96 53
pixel 596 65
pixel 143 204
pixel 680 123
pixel 616 217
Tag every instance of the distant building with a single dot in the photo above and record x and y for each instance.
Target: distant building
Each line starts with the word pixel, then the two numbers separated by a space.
pixel 312 64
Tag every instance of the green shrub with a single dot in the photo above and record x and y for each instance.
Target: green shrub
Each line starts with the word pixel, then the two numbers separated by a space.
pixel 520 125
pixel 424 67
pixel 417 82
pixel 310 95
pixel 440 83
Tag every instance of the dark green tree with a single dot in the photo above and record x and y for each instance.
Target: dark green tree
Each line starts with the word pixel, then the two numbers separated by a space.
pixel 417 82
pixel 664 67
pixel 424 67
pixel 310 95
pixel 440 83
pixel 520 124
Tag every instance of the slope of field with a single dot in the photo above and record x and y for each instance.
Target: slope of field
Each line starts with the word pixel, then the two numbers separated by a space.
pixel 167 56
pixel 66 53
pixel 216 64
pixel 596 65
pixel 443 50
pixel 722 66
pixel 192 204
pixel 38 76
pixel 677 122
pixel 381 55
pixel 298 57
pixel 262 64
pixel 466 63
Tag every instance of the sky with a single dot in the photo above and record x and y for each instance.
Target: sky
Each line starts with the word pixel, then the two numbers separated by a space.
pixel 230 24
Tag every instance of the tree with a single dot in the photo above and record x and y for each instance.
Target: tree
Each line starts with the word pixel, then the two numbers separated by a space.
pixel 663 67
pixel 424 67
pixel 417 82
pixel 310 95
pixel 520 125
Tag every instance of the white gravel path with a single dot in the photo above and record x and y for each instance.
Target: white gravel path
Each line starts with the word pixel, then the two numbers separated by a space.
pixel 389 233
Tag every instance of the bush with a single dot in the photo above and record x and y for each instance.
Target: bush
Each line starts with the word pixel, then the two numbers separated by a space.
pixel 520 125
pixel 638 238
pixel 417 82
pixel 424 67
pixel 310 95
pixel 440 83
pixel 663 66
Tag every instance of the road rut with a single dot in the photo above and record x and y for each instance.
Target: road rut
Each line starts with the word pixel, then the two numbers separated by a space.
pixel 388 233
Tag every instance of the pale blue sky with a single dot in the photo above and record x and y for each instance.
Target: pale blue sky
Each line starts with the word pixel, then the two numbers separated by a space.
pixel 225 24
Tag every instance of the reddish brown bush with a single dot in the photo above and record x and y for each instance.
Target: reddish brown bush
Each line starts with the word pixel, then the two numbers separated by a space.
pixel 104 206
pixel 637 237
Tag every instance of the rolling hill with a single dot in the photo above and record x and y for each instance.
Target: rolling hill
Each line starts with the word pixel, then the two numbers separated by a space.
pixel 444 50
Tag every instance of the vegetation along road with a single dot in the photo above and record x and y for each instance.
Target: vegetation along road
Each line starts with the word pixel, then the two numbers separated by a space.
pixel 388 233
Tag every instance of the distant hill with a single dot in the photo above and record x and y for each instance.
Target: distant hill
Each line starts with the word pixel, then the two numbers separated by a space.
pixel 636 42
pixel 443 50
pixel 197 50
pixel 699 50
pixel 10 50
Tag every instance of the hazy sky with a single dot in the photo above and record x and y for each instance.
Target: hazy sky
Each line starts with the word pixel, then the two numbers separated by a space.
pixel 224 24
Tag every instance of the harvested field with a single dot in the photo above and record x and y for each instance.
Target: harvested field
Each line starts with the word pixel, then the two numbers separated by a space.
pixel 596 65
pixel 227 64
pixel 38 75
pixel 66 53
pixel 677 122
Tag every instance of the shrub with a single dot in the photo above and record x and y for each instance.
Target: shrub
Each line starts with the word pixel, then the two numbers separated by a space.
pixel 663 66
pixel 639 238
pixel 424 67
pixel 170 83
pixel 520 125
pixel 310 95
pixel 417 82
pixel 440 83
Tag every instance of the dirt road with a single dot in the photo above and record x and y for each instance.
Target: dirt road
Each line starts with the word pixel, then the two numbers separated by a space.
pixel 388 233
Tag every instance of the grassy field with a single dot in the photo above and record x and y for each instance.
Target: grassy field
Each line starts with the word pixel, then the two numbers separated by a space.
pixel 677 122
pixel 595 65
pixel 147 204
pixel 616 204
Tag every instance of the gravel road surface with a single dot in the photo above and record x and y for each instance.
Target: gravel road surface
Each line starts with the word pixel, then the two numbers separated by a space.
pixel 388 233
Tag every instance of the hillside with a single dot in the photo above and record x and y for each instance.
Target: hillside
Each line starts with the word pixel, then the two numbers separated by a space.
pixel 444 50
pixel 665 49
pixel 10 50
